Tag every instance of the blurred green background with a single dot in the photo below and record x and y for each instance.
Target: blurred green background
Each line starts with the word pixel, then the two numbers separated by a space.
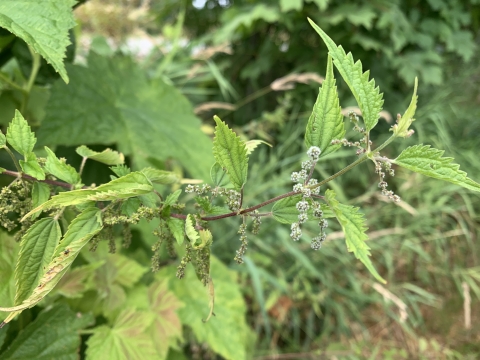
pixel 230 58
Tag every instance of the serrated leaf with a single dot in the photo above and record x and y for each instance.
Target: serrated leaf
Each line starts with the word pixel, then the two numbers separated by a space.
pixel 190 231
pixel 229 307
pixel 326 121
pixel 160 176
pixel 86 225
pixel 130 185
pixel 146 119
pixel 176 227
pixel 19 134
pixel 60 341
pixel 8 257
pixel 130 206
pixel 60 169
pixel 251 145
pixel 230 153
pixel 429 162
pixel 40 194
pixel 43 25
pixel 31 166
pixel 219 176
pixel 120 170
pixel 107 156
pixel 173 197
pixel 3 139
pixel 353 225
pixel 128 271
pixel 401 129
pixel 126 339
pixel 285 210
pixel 368 97
pixel 36 250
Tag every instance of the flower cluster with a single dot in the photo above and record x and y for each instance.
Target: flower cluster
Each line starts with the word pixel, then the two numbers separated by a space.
pixel 381 168
pixel 243 248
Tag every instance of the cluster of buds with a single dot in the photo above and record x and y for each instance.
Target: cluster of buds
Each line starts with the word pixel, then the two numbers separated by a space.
pixel 304 183
pixel 381 168
pixel 233 198
pixel 243 248
pixel 198 189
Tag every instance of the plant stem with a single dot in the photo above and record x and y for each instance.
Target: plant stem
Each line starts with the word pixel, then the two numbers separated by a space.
pixel 11 83
pixel 31 79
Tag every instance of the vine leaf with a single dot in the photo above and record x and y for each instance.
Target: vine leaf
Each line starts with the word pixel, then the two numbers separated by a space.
pixel 40 194
pixel 20 136
pixel 285 210
pixel 230 153
pixel 429 162
pixel 133 184
pixel 126 339
pixel 401 129
pixel 57 261
pixel 326 121
pixel 107 156
pixel 368 97
pixel 43 25
pixel 160 176
pixel 353 225
pixel 31 166
pixel 59 169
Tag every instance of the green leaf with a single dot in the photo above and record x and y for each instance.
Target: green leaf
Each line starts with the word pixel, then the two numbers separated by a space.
pixel 54 334
pixel 285 210
pixel 126 339
pixel 59 169
pixel 429 162
pixel 128 271
pixel 19 134
pixel 3 139
pixel 130 206
pixel 120 170
pixel 176 227
pixel 8 257
pixel 107 156
pixel 368 97
pixel 130 185
pixel 230 153
pixel 31 166
pixel 36 250
pixel 113 101
pixel 251 145
pixel 353 225
pixel 190 231
pixel 287 5
pixel 40 194
pixel 160 176
pixel 326 121
pixel 43 25
pixel 402 128
pixel 219 176
pixel 230 309
pixel 173 197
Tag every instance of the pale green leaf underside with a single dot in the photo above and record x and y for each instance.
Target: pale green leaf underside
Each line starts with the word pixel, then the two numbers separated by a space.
pixel 219 176
pixel 401 129
pixel 19 134
pixel 43 25
pixel 326 121
pixel 285 210
pixel 107 156
pixel 36 251
pixel 429 162
pixel 230 153
pixel 160 176
pixel 80 231
pixel 251 145
pixel 31 166
pixel 133 184
pixel 190 231
pixel 60 169
pixel 353 225
pixel 368 97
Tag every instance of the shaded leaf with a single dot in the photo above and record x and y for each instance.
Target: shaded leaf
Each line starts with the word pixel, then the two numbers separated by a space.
pixel 40 194
pixel 230 153
pixel 353 225
pixel 190 231
pixel 326 121
pixel 401 129
pixel 107 156
pixel 368 97
pixel 429 162
pixel 3 139
pixel 173 197
pixel 219 176
pixel 19 134
pixel 176 227
pixel 8 256
pixel 251 145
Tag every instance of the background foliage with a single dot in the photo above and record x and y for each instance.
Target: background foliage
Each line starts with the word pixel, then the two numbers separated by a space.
pixel 231 59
